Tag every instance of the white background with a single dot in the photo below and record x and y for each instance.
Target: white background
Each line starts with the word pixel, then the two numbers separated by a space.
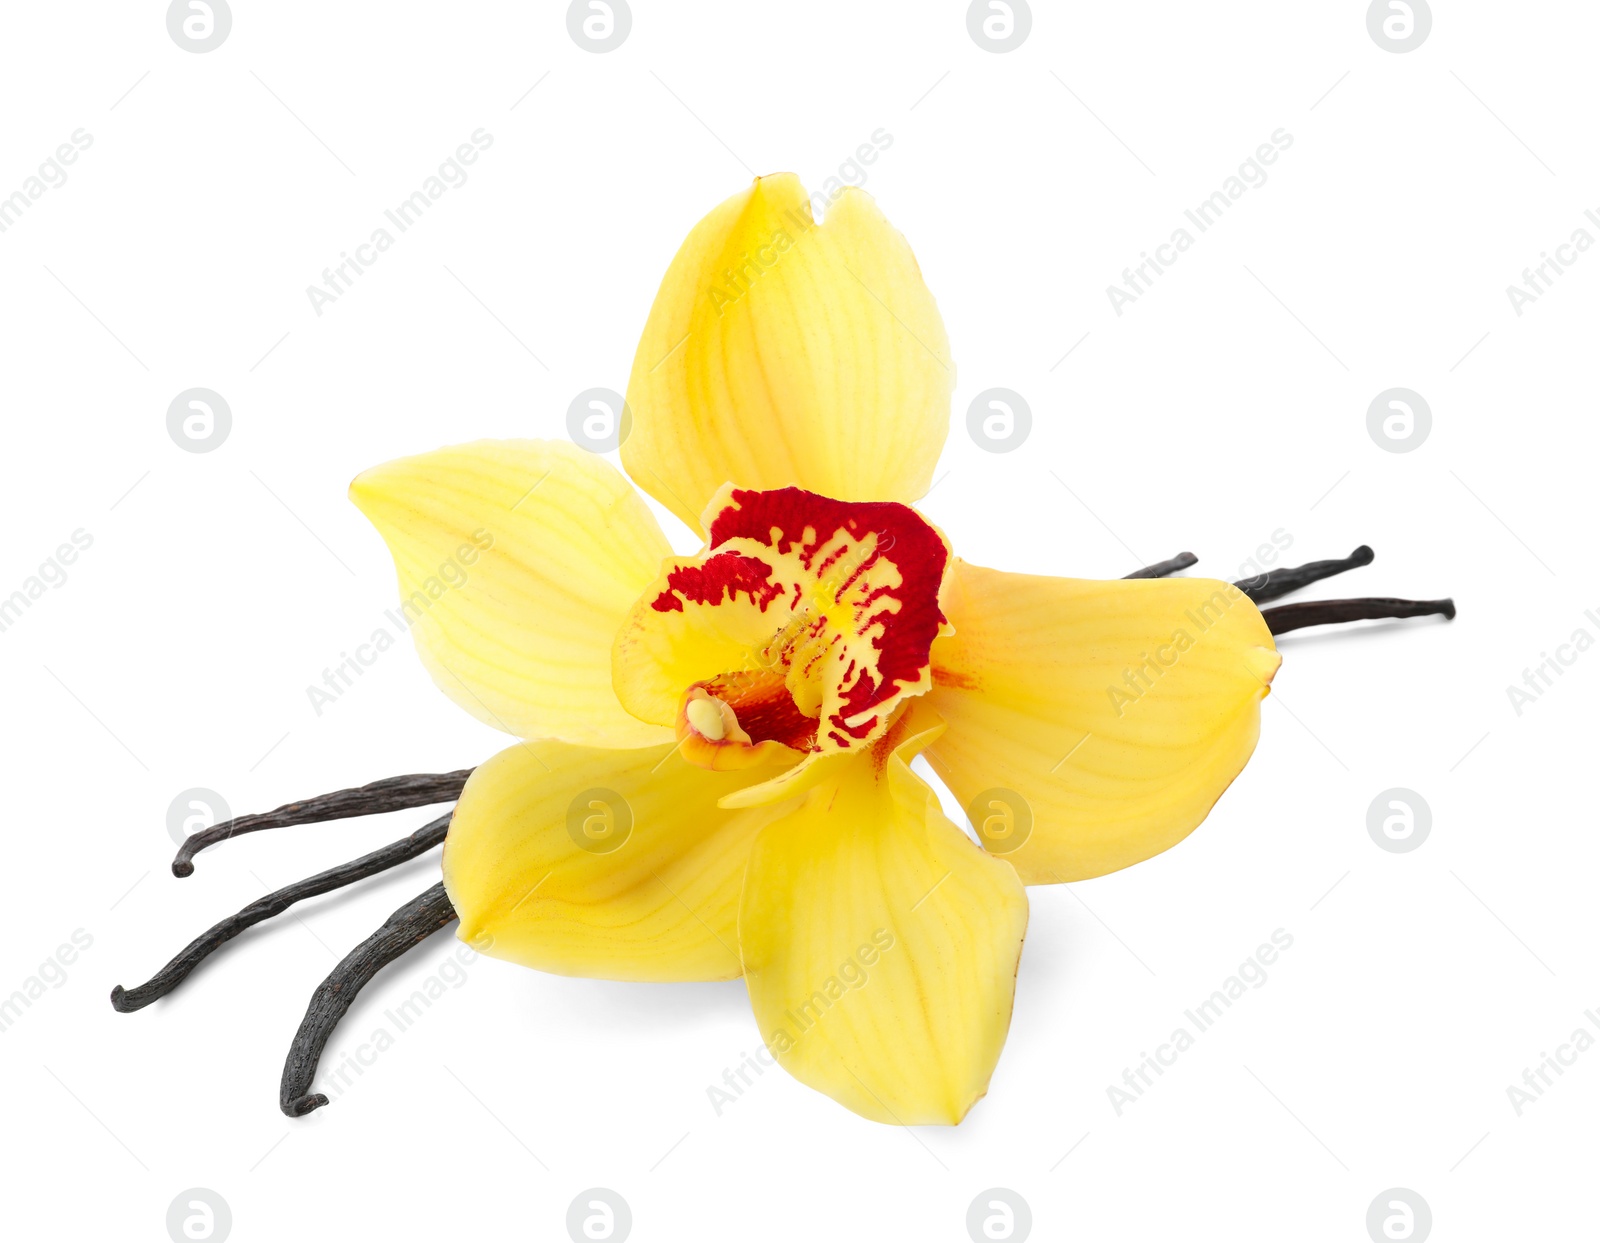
pixel 1228 403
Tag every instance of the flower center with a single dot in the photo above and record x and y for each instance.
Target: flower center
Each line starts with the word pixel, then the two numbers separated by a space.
pixel 705 718
pixel 803 624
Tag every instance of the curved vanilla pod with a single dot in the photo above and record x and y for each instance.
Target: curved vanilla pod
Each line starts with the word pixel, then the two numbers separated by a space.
pixel 1287 617
pixel 207 943
pixel 407 928
pixel 1163 568
pixel 390 794
pixel 1277 583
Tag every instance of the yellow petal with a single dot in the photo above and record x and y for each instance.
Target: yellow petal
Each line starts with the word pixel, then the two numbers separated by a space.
pixel 783 352
pixel 611 864
pixel 881 947
pixel 518 561
pixel 1118 711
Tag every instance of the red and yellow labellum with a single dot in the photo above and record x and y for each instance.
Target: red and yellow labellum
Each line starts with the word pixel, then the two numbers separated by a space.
pixel 803 625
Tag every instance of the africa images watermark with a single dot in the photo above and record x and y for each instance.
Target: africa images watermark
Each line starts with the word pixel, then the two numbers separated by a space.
pixel 450 575
pixel 52 972
pixel 1537 680
pixel 852 974
pixel 52 573
pixel 1537 1079
pixel 341 277
pixel 447 977
pixel 1139 279
pixel 1142 678
pixel 1202 1018
pixel 51 175
pixel 738 280
pixel 1540 279
pixel 737 1078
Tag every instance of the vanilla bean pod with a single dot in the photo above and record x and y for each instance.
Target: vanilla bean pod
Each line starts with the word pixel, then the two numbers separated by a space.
pixel 407 928
pixel 1277 583
pixel 202 947
pixel 390 794
pixel 1287 617
pixel 1163 568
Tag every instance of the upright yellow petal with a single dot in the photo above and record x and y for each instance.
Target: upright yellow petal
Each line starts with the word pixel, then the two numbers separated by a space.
pixel 611 864
pixel 881 947
pixel 1118 711
pixel 518 561
pixel 782 352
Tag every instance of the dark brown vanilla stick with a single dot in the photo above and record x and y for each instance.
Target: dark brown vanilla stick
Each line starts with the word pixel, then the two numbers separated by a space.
pixel 390 794
pixel 202 947
pixel 1287 617
pixel 1162 568
pixel 407 928
pixel 1277 583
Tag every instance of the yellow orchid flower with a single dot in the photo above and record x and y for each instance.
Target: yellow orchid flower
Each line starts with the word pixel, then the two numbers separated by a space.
pixel 712 777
